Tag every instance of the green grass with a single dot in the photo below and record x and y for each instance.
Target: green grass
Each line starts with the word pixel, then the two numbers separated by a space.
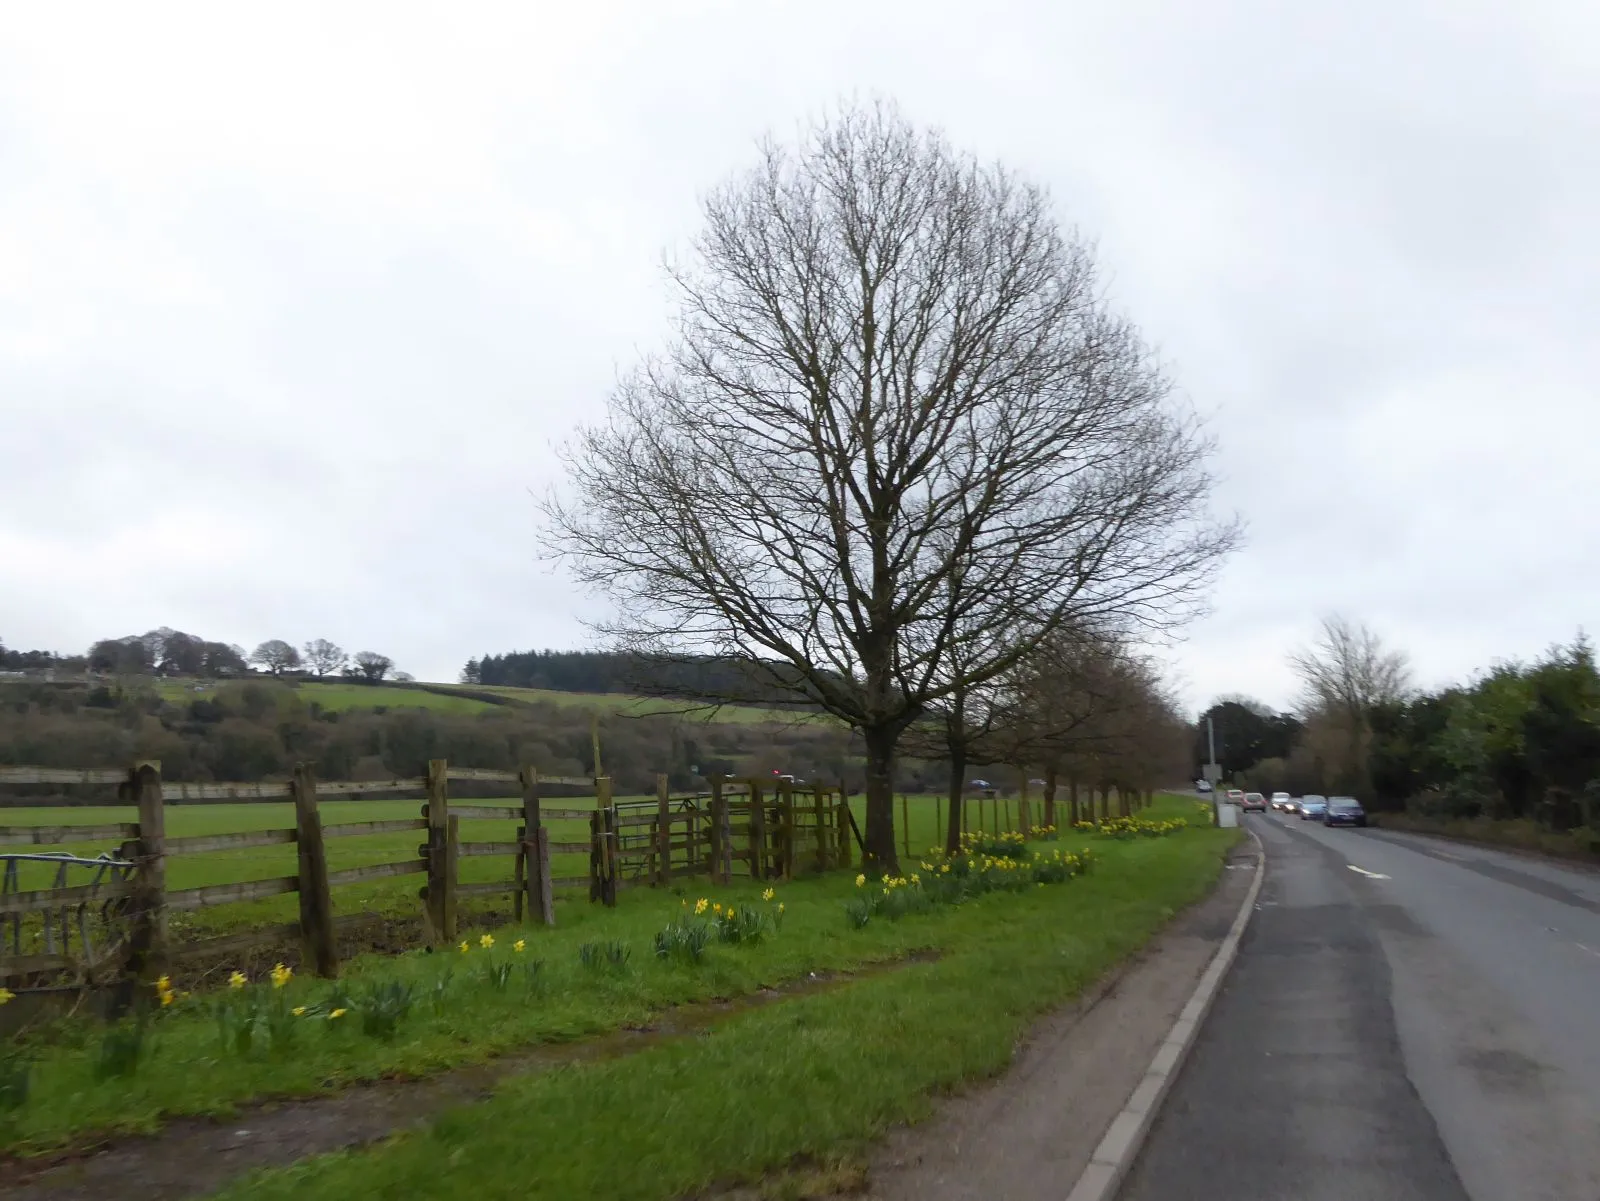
pixel 812 1076
pixel 188 1075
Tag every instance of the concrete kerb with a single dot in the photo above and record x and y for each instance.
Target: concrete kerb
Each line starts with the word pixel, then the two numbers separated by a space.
pixel 1115 1153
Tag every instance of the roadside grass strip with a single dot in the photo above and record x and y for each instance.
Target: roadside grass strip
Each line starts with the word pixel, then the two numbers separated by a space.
pixel 812 1078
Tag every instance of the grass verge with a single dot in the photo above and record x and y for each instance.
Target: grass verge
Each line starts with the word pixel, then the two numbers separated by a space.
pixel 814 1076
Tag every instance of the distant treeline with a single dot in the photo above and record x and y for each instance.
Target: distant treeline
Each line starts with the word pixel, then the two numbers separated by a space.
pixel 620 672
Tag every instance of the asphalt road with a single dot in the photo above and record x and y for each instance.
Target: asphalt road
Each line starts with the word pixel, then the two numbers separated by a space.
pixel 1425 1028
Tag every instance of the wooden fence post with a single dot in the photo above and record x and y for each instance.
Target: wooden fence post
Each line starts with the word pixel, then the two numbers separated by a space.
pixel 536 852
pixel 147 934
pixel 442 836
pixel 608 841
pixel 819 815
pixel 316 902
pixel 786 821
pixel 664 830
pixel 717 838
pixel 758 831
pixel 842 821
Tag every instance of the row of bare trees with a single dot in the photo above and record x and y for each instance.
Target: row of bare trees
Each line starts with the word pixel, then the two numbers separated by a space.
pixel 323 658
pixel 900 459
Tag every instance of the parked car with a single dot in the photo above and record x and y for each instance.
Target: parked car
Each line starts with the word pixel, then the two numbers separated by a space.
pixel 1254 802
pixel 1344 811
pixel 1313 806
pixel 1235 796
pixel 1202 786
pixel 1279 800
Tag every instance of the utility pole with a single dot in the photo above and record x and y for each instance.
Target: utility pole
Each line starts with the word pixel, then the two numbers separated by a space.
pixel 1214 772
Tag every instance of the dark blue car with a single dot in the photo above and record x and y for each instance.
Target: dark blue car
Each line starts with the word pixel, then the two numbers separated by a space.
pixel 1344 811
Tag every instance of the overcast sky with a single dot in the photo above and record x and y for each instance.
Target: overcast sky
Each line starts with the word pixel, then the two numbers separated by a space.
pixel 296 300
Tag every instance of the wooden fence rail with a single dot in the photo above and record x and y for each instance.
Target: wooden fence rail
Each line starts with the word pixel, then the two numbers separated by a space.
pixel 761 828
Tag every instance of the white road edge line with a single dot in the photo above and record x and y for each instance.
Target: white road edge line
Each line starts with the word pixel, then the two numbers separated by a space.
pixel 1582 947
pixel 1366 873
pixel 1114 1155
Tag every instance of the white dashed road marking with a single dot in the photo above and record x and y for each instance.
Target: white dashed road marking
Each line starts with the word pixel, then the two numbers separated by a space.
pixel 1366 873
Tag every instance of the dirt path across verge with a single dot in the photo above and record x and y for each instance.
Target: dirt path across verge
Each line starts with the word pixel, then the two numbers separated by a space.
pixel 194 1157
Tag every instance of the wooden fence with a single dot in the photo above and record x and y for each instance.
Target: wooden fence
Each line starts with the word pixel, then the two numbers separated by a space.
pixel 756 828
pixel 117 916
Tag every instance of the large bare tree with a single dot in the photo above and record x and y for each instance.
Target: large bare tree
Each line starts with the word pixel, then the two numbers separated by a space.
pixel 897 413
pixel 325 657
pixel 276 655
pixel 1345 674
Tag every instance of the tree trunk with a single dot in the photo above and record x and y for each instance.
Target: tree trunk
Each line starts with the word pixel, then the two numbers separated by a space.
pixel 879 838
pixel 1074 813
pixel 1050 796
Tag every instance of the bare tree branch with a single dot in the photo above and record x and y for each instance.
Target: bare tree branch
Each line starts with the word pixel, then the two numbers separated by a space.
pixel 898 428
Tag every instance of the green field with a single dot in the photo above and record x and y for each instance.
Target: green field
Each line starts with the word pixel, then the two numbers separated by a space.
pixel 395 897
pixel 335 696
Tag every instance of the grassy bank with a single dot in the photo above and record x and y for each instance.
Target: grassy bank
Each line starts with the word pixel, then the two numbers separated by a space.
pixel 461 1015
pixel 815 1076
pixel 1581 845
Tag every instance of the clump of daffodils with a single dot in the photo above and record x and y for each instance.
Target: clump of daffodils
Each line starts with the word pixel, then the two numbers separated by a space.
pixel 281 975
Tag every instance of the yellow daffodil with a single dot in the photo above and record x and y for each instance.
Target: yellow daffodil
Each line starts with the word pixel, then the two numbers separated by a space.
pixel 486 941
pixel 163 984
pixel 238 980
pixel 520 945
pixel 298 1011
pixel 780 906
pixel 768 895
pixel 861 879
pixel 465 946
pixel 700 906
pixel 281 975
pixel 337 1013
pixel 717 908
pixel 730 913
pixel 7 996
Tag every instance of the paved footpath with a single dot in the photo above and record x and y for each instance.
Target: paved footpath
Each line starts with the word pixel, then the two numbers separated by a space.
pixel 1407 1020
